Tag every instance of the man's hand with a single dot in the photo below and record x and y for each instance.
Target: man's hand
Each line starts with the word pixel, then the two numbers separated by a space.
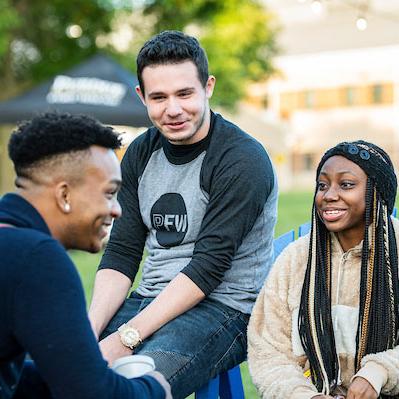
pixel 112 348
pixel 360 388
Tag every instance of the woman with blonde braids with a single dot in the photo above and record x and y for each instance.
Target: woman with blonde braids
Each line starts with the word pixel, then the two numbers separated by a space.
pixel 326 322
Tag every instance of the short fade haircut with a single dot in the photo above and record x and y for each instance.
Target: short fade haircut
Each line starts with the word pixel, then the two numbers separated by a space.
pixel 172 47
pixel 53 134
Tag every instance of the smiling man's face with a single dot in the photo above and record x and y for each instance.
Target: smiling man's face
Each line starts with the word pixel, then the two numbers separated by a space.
pixel 93 201
pixel 176 101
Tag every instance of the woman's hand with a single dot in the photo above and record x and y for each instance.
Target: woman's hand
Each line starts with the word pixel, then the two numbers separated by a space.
pixel 360 388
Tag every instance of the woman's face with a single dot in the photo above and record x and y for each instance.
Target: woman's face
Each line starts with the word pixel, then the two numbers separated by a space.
pixel 340 199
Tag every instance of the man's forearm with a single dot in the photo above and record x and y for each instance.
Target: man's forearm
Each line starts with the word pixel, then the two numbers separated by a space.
pixel 180 295
pixel 109 292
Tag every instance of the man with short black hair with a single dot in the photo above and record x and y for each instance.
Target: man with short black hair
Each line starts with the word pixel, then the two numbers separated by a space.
pixel 67 179
pixel 200 195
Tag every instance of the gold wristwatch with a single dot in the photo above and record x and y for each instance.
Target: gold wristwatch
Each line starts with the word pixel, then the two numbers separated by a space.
pixel 130 336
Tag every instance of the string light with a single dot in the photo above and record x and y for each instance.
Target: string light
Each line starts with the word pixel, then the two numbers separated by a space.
pixel 316 6
pixel 361 23
pixel 363 9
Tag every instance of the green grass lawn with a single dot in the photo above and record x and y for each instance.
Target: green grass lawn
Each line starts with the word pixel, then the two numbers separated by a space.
pixel 294 209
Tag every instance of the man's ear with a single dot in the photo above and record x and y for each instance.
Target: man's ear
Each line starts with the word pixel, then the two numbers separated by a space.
pixel 63 196
pixel 210 85
pixel 140 94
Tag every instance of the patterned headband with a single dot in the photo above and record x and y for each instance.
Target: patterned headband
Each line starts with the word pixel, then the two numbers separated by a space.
pixel 374 161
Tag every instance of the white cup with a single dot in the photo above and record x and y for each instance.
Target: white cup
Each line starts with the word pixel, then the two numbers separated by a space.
pixel 133 366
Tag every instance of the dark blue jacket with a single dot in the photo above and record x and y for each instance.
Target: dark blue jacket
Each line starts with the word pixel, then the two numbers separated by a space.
pixel 43 313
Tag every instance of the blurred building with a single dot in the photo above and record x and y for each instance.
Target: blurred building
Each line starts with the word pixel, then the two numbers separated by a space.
pixel 338 80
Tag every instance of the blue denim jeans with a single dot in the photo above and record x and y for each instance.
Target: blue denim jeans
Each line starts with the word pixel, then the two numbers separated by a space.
pixel 194 347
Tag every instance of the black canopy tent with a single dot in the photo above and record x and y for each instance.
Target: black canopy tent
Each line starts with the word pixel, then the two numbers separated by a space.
pixel 98 87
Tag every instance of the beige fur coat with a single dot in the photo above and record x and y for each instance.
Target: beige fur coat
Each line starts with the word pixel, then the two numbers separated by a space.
pixel 277 362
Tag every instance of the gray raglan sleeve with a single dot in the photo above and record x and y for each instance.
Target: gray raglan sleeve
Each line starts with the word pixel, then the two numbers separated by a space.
pixel 126 244
pixel 239 186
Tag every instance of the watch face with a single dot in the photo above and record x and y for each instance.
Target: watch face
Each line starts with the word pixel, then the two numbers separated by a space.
pixel 131 337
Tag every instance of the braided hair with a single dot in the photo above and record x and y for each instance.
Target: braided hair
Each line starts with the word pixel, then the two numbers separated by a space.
pixel 378 322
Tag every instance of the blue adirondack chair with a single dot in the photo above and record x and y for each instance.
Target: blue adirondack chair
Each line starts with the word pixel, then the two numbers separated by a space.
pixel 227 385
pixel 304 229
pixel 281 242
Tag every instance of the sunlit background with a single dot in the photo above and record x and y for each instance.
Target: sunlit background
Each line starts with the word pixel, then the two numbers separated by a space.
pixel 338 76
pixel 299 75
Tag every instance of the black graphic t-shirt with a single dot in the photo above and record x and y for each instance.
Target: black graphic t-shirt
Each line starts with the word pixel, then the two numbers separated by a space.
pixel 207 210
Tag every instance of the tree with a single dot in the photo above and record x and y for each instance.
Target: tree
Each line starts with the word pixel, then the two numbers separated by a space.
pixel 34 41
pixel 8 20
pixel 238 35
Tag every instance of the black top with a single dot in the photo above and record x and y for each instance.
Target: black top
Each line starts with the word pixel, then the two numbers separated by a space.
pixel 43 312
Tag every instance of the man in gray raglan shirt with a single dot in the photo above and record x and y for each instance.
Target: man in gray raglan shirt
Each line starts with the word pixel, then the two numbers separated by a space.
pixel 201 196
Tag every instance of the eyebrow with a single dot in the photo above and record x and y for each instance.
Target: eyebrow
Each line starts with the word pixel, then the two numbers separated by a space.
pixel 156 93
pixel 340 173
pixel 161 93
pixel 186 89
